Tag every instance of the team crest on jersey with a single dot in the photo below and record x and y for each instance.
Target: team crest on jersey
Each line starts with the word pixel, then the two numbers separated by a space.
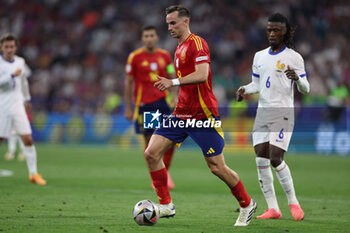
pixel 144 63
pixel 153 76
pixel 183 55
pixel 154 66
pixel 280 66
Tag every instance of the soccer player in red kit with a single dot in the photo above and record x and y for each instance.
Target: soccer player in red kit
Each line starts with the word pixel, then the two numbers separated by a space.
pixel 143 66
pixel 196 106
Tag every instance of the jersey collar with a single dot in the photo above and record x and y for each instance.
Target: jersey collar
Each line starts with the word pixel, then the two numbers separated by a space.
pixel 7 60
pixel 271 53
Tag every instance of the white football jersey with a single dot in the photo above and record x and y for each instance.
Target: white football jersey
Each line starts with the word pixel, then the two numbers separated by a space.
pixel 269 80
pixel 11 90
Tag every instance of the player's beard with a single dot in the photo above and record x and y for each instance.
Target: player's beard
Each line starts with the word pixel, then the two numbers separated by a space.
pixel 150 47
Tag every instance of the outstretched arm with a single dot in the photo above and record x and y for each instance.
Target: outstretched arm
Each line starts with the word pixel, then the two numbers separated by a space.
pixel 251 88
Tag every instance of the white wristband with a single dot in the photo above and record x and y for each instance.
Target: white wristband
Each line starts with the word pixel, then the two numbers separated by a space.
pixel 176 82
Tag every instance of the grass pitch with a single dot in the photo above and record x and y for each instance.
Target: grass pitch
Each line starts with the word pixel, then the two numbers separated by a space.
pixel 93 189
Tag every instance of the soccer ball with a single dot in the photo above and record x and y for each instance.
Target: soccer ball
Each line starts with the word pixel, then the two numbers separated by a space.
pixel 146 212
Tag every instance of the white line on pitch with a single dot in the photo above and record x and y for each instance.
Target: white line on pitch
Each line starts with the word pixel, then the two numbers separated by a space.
pixel 4 173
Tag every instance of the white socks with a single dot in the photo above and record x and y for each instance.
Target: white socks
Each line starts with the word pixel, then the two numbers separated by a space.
pixel 12 144
pixel 266 182
pixel 30 153
pixel 12 140
pixel 286 181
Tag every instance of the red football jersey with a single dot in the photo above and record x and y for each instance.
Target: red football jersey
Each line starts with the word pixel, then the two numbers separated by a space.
pixel 198 100
pixel 145 67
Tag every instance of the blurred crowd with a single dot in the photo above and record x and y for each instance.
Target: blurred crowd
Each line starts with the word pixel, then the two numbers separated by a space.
pixel 77 49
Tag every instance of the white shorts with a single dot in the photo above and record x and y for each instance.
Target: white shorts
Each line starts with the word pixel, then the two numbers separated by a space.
pixel 17 121
pixel 277 133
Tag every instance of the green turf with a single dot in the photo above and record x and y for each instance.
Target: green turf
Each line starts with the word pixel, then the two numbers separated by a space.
pixel 93 189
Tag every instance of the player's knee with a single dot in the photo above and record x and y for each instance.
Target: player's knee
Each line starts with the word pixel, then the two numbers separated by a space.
pixel 151 156
pixel 275 161
pixel 28 141
pixel 147 154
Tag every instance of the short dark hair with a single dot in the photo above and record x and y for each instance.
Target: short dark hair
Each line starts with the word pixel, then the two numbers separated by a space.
pixel 183 11
pixel 277 17
pixel 149 27
pixel 288 38
pixel 9 37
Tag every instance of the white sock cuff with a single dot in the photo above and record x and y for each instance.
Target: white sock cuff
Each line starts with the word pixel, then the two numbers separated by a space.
pixel 280 167
pixel 29 148
pixel 262 162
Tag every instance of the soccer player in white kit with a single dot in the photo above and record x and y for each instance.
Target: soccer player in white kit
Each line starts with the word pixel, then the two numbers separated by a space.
pixel 14 137
pixel 275 70
pixel 12 113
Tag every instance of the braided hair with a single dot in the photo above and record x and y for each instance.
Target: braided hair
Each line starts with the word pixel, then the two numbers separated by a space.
pixel 288 37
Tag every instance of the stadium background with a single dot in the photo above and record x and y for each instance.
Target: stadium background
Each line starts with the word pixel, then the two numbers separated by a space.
pixel 77 51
